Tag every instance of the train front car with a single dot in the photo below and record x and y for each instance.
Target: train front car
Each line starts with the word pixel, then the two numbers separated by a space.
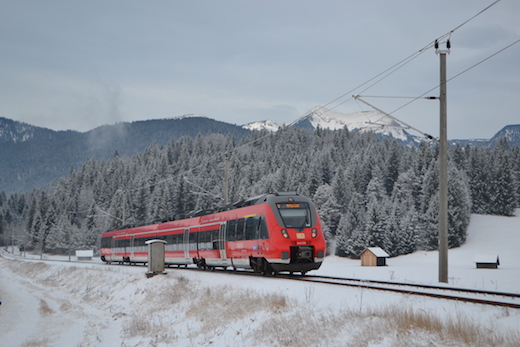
pixel 296 241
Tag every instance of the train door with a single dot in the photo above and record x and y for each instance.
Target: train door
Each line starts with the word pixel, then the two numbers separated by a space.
pixel 258 236
pixel 113 248
pixel 222 241
pixel 186 244
pixel 132 247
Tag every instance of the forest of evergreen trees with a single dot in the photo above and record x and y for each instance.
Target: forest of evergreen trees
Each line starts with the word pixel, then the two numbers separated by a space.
pixel 369 192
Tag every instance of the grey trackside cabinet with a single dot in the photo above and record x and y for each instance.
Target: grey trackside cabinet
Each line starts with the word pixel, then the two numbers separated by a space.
pixel 155 257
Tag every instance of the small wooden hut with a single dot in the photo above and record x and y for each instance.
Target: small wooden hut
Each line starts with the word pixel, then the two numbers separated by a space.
pixel 487 261
pixel 84 254
pixel 374 256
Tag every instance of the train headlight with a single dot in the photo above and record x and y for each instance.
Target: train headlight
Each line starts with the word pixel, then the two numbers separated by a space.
pixel 314 233
pixel 285 234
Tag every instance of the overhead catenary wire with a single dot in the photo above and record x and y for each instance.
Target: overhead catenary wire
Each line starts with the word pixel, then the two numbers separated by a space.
pixel 457 75
pixel 388 115
pixel 422 96
pixel 400 64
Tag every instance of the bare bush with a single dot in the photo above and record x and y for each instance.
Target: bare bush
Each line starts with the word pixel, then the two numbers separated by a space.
pixel 44 308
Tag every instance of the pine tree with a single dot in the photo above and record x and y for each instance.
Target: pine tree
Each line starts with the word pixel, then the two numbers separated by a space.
pixel 459 207
pixel 392 166
pixel 503 198
pixel 351 237
pixel 328 209
pixel 479 169
pixel 343 189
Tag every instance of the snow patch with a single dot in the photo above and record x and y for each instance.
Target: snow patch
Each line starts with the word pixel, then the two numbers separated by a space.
pixel 262 125
pixel 191 115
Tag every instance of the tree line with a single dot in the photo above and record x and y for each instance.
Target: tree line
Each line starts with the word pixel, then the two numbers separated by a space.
pixel 369 191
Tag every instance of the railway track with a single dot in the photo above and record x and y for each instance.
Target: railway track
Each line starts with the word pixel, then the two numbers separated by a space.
pixel 511 300
pixel 484 297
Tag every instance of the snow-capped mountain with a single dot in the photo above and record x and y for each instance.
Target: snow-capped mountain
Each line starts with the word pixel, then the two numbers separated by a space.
pixel 511 133
pixel 262 125
pixel 321 117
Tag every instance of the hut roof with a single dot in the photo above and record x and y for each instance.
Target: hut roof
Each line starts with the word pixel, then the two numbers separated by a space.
pixel 378 252
pixel 487 259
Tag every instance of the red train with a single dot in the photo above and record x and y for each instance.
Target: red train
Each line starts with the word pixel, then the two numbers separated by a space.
pixel 271 233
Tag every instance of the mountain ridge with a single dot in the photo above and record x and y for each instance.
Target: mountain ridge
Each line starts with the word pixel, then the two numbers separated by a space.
pixel 32 156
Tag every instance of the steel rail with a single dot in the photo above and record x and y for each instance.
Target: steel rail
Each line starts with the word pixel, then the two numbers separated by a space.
pixel 425 286
pixel 379 285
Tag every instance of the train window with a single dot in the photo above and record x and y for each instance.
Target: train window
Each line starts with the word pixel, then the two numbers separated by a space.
pixel 106 242
pixel 295 215
pixel 203 236
pixel 214 239
pixel 122 243
pixel 231 230
pixel 240 229
pixel 193 241
pixel 205 239
pixel 262 234
pixel 250 229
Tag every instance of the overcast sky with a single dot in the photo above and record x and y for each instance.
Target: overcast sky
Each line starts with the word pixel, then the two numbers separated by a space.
pixel 80 64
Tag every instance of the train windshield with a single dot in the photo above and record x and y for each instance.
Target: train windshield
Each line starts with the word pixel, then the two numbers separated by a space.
pixel 295 215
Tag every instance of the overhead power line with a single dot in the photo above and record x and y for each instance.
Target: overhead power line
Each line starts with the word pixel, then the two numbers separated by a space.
pixel 457 75
pixel 384 74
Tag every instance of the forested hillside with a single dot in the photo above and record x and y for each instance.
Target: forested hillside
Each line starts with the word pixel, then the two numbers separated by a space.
pixel 32 157
pixel 369 192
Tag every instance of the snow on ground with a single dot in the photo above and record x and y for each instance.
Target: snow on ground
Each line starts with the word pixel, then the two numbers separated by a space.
pixel 487 235
pixel 89 304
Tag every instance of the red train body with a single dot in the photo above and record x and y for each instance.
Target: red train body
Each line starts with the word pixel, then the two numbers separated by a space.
pixel 271 233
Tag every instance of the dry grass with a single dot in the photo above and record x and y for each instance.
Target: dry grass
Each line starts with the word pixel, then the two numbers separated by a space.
pixel 151 327
pixel 27 269
pixel 459 329
pixel 398 326
pixel 44 308
pixel 41 342
pixel 137 326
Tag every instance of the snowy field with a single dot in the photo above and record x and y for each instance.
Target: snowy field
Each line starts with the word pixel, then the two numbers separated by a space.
pixel 89 304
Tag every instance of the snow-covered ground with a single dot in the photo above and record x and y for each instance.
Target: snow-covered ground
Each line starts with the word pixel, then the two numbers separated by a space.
pixel 90 304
